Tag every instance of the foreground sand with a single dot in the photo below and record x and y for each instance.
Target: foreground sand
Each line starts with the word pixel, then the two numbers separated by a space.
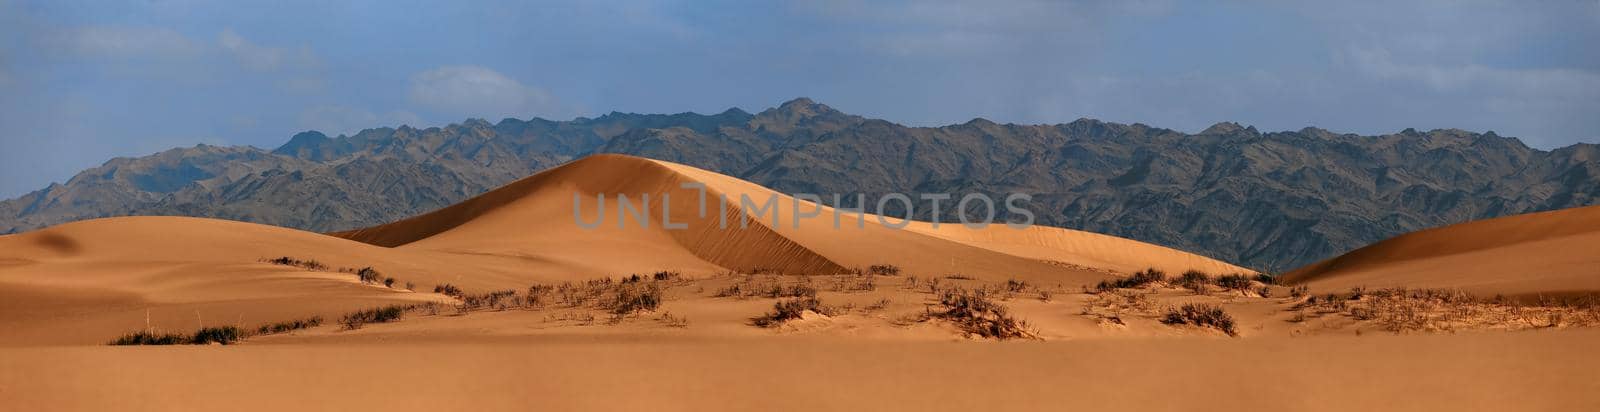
pixel 1539 371
pixel 1336 342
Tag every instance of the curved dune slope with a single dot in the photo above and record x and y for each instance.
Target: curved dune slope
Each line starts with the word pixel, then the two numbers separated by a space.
pixel 87 282
pixel 534 216
pixel 1547 252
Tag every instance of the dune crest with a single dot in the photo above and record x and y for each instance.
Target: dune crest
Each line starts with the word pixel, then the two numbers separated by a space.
pixel 1537 253
pixel 535 214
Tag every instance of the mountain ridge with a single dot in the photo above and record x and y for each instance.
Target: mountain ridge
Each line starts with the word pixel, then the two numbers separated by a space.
pixel 1269 200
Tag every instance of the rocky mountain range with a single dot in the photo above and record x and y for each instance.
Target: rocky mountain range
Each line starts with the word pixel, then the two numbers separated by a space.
pixel 1272 201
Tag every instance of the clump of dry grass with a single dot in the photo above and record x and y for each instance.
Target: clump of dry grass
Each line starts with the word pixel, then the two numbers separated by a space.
pixel 1137 279
pixel 976 314
pixel 1195 281
pixel 1402 310
pixel 791 309
pixel 448 290
pixel 628 299
pixel 309 264
pixel 356 320
pixel 1202 315
pixel 883 270
pixel 289 326
pixel 1110 306
pixel 149 338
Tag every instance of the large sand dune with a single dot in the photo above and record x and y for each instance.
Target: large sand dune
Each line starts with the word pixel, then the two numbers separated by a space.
pixel 85 282
pixel 1555 252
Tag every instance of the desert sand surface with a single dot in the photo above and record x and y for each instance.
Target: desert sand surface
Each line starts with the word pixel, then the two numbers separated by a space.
pixel 1538 253
pixel 545 313
pixel 1536 371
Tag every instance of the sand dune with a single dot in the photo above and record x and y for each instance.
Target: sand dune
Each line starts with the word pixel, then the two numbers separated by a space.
pixel 1538 253
pixel 534 216
pixel 87 281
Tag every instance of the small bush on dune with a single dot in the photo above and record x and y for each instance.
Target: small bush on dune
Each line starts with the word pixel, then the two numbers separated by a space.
pixel 368 275
pixel 630 299
pixel 1194 280
pixel 791 309
pixel 448 290
pixel 150 338
pixel 666 275
pixel 974 313
pixel 304 264
pixel 1235 282
pixel 884 270
pixel 220 335
pixel 375 315
pixel 1138 279
pixel 1203 315
pixel 283 327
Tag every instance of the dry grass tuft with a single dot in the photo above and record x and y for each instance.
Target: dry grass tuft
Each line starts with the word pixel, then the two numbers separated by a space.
pixel 1202 315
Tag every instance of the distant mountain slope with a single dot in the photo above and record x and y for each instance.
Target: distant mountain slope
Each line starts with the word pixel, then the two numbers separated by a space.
pixel 1267 200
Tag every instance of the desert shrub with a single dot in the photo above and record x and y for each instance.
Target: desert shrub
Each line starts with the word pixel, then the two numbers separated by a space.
pixel 1235 282
pixel 220 335
pixel 1016 286
pixel 800 291
pixel 855 284
pixel 283 327
pixel 376 315
pixel 539 295
pixel 1266 278
pixel 666 275
pixel 1137 279
pixel 1265 291
pixel 1046 295
pixel 791 309
pixel 411 286
pixel 368 275
pixel 150 338
pixel 974 313
pixel 630 299
pixel 1194 280
pixel 304 264
pixel 388 283
pixel 1299 291
pixel 958 276
pixel 448 290
pixel 496 299
pixel 884 270
pixel 1202 315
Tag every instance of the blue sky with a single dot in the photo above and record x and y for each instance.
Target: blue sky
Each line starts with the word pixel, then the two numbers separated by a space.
pixel 83 82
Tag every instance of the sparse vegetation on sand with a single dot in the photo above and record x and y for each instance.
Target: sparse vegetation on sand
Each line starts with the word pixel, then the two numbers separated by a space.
pixel 1402 310
pixel 448 290
pixel 1138 279
pixel 631 298
pixel 150 338
pixel 1202 315
pixel 791 309
pixel 976 314
pixel 224 335
pixel 289 326
pixel 356 320
pixel 883 270
pixel 307 264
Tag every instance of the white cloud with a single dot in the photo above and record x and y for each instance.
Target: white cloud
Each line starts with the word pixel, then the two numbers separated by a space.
pixel 258 57
pixel 474 91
